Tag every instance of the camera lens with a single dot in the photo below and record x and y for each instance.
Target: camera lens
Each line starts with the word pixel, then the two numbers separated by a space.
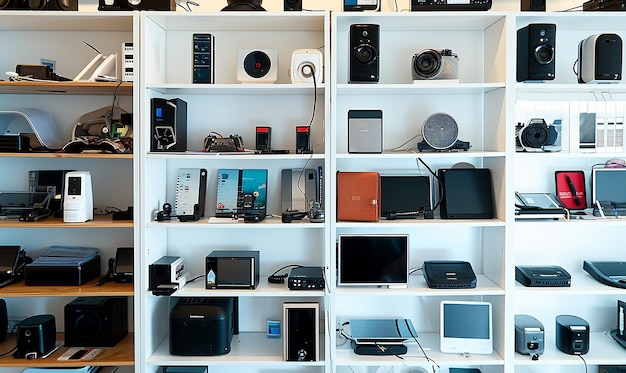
pixel 535 135
pixel 427 63
pixel 544 54
pixel 365 53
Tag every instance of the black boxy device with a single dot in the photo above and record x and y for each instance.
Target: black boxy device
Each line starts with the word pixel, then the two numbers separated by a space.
pixel 62 275
pixel 232 269
pixel 449 274
pixel 542 276
pixel 572 334
pixel 96 321
pixel 467 193
pixel 364 53
pixel 536 55
pixel 169 125
pixel 203 326
pixel 35 335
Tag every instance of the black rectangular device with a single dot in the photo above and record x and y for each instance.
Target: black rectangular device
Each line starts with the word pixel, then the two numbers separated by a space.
pixel 536 52
pixel 303 139
pixel 542 276
pixel 467 193
pixel 449 274
pixel 442 5
pixel 306 278
pixel 83 314
pixel 364 53
pixel 404 196
pixel 203 326
pixel 203 58
pixel 373 260
pixel 232 269
pixel 169 125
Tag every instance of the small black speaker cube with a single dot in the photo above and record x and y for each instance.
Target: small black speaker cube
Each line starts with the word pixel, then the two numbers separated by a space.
pixel 96 321
pixel 35 335
pixel 203 58
pixel 536 52
pixel 292 5
pixel 168 125
pixel 533 5
pixel 203 326
pixel 364 53
pixel 572 334
pixel 300 331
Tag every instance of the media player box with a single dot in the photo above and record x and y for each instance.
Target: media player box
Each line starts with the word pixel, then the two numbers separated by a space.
pixel 306 278
pixel 203 326
pixel 64 266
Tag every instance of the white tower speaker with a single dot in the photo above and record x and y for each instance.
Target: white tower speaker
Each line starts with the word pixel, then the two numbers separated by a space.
pixel 305 65
pixel 440 131
pixel 257 66
pixel 78 197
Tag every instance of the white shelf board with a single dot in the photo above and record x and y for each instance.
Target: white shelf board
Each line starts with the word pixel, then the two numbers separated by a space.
pixel 603 350
pixel 418 287
pixel 424 222
pixel 265 289
pixel 238 21
pixel 272 222
pixel 236 89
pixel 422 88
pixel 429 341
pixel 414 153
pixel 25 20
pixel 246 349
pixel 233 156
pixel 418 21
pixel 541 91
pixel 576 21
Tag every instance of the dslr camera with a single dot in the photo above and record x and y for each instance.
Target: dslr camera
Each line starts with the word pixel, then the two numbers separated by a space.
pixel 538 136
pixel 435 64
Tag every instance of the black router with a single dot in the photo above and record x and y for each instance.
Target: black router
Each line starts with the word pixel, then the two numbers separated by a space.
pixel 542 276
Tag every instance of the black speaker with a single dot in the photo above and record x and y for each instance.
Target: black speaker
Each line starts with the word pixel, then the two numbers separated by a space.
pixel 35 335
pixel 292 5
pixel 533 5
pixel 600 59
pixel 169 125
pixel 536 52
pixel 96 321
pixel 300 331
pixel 39 4
pixel 364 53
pixel 4 320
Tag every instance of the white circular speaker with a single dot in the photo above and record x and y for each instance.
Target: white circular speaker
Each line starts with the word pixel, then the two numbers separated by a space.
pixel 440 131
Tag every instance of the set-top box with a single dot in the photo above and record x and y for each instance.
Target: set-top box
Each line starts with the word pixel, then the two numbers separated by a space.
pixel 232 269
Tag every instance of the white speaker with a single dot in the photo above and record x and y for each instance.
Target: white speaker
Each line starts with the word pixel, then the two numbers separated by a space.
pixel 306 64
pixel 257 66
pixel 365 131
pixel 77 197
pixel 440 131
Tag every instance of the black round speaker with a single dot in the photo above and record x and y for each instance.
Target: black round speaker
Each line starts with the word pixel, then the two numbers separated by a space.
pixel 257 64
pixel 88 325
pixel 440 131
pixel 365 54
pixel 5 3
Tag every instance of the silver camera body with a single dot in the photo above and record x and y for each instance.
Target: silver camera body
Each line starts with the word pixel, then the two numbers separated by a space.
pixel 435 64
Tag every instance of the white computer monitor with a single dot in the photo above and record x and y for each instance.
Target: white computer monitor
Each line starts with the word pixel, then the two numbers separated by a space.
pixel 466 327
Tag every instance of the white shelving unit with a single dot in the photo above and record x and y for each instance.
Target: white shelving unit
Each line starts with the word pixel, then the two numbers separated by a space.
pixel 229 107
pixel 566 243
pixel 27 37
pixel 478 103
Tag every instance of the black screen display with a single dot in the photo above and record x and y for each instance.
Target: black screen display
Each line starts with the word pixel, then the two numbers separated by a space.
pixel 373 260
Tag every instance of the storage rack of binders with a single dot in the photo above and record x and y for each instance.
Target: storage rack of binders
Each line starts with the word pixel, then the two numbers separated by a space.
pixel 478 103
pixel 58 37
pixel 228 107
pixel 568 243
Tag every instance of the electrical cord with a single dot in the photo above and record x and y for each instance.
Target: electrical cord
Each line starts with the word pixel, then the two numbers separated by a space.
pixel 434 363
pixel 275 278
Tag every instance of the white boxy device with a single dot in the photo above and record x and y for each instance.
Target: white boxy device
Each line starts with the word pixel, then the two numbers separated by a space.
pixel 78 197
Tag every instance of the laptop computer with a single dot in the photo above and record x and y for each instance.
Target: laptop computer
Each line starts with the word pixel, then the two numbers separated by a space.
pixel 382 330
pixel 404 196
pixel 538 206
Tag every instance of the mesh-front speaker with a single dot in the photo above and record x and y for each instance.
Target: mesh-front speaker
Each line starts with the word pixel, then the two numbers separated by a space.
pixel 440 131
pixel 365 131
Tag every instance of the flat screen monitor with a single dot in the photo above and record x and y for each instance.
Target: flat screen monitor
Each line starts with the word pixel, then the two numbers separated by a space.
pixel 466 327
pixel 405 195
pixel 373 260
pixel 608 185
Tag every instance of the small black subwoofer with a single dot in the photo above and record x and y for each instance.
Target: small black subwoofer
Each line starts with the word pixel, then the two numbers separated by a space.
pixel 96 321
pixel 292 5
pixel 536 49
pixel 533 5
pixel 364 53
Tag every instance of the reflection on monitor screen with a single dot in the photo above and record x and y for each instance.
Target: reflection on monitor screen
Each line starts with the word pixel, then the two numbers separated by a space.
pixel 609 185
